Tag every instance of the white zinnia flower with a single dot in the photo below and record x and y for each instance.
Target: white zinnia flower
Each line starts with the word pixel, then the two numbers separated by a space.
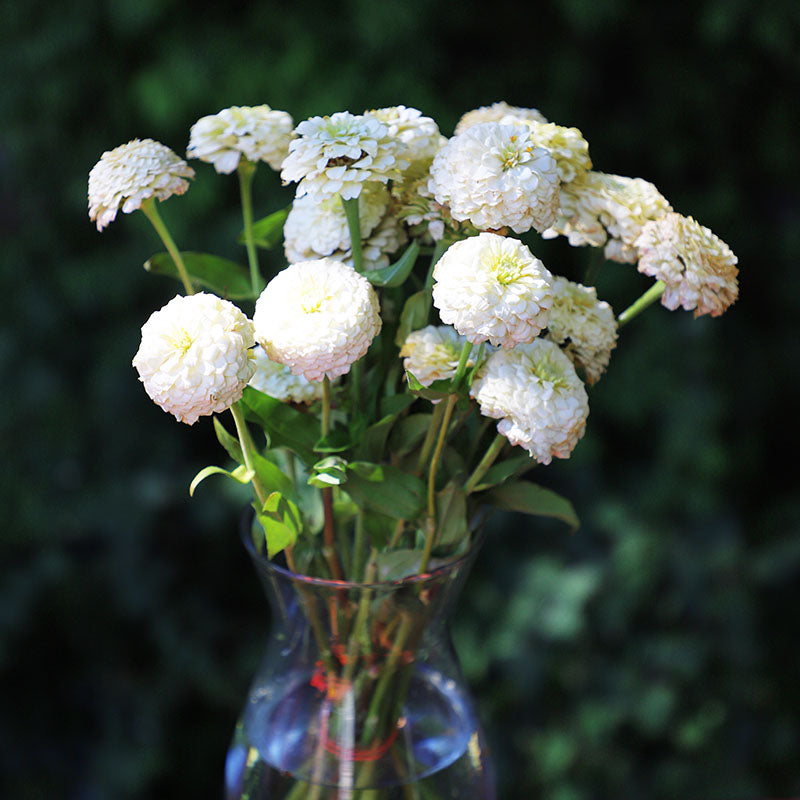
pixel 497 112
pixel 418 136
pixel 258 133
pixel 338 154
pixel 492 287
pixel 317 318
pixel 535 393
pixel 495 176
pixel 698 268
pixel 584 326
pixel 194 357
pixel 319 228
pixel 598 209
pixel 132 173
pixel 432 353
pixel 277 381
pixel 566 145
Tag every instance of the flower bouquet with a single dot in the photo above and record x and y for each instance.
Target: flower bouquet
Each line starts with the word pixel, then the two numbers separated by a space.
pixel 400 377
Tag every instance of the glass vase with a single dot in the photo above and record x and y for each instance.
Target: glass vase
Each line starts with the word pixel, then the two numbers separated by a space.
pixel 359 694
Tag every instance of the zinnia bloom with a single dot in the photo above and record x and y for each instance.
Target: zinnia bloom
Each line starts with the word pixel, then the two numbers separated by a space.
pixel 492 287
pixel 498 112
pixel 535 393
pixel 256 133
pixel 128 175
pixel 194 357
pixel 698 268
pixel 432 353
pixel 598 209
pixel 337 155
pixel 496 176
pixel 317 318
pixel 277 381
pixel 583 326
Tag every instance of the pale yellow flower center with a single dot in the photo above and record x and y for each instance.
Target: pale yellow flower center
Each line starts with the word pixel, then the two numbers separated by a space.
pixel 507 269
pixel 548 371
pixel 181 340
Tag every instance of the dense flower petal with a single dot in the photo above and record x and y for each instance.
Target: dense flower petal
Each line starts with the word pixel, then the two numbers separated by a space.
pixel 256 133
pixel 278 381
pixel 194 357
pixel 492 287
pixel 317 318
pixel 535 393
pixel 698 268
pixel 134 172
pixel 495 176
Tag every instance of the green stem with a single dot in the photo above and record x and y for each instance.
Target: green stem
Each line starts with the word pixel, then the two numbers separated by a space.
pixel 361 619
pixel 247 170
pixel 437 453
pixel 354 227
pixel 326 406
pixel 438 251
pixel 462 366
pixel 329 527
pixel 358 548
pixel 246 443
pixel 430 436
pixel 488 459
pixel 647 299
pixel 151 212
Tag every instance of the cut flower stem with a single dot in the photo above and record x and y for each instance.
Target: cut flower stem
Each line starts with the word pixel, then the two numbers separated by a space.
pixel 151 212
pixel 647 299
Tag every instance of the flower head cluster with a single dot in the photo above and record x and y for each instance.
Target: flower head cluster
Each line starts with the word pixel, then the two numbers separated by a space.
pixel 277 381
pixel 256 133
pixel 498 112
pixel 337 155
pixel 598 209
pixel 317 318
pixel 492 287
pixel 566 145
pixel 128 175
pixel 583 326
pixel 537 396
pixel 698 268
pixel 319 228
pixel 432 353
pixel 418 137
pixel 194 358
pixel 496 176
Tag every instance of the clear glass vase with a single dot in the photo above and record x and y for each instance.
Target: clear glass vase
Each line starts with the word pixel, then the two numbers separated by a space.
pixel 359 695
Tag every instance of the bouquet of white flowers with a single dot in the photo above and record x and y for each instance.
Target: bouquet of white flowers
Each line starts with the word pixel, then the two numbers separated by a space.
pixel 409 318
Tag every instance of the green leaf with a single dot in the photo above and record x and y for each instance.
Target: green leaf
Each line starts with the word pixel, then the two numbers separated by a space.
pixel 331 471
pixel 398 564
pixel 268 231
pixel 286 426
pixel 223 277
pixel 281 521
pixel 388 490
pixel 241 475
pixel 530 498
pixel 395 274
pixel 413 316
pixel 451 515
pixel 395 403
pixel 502 471
pixel 272 477
pixel 336 441
pixel 408 433
pixel 438 390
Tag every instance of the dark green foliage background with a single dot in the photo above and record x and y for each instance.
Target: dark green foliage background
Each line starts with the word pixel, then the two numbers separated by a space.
pixel 655 653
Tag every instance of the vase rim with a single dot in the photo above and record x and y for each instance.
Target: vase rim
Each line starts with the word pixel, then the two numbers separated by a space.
pixel 477 531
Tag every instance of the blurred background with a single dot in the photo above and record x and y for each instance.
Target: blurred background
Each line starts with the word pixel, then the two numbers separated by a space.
pixel 654 654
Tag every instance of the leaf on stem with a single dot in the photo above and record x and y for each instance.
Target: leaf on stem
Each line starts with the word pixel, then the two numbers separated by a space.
pixel 331 471
pixel 530 498
pixel 413 316
pixel 451 516
pixel 285 425
pixel 385 489
pixel 241 475
pixel 268 231
pixel 223 277
pixel 395 274
pixel 281 521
